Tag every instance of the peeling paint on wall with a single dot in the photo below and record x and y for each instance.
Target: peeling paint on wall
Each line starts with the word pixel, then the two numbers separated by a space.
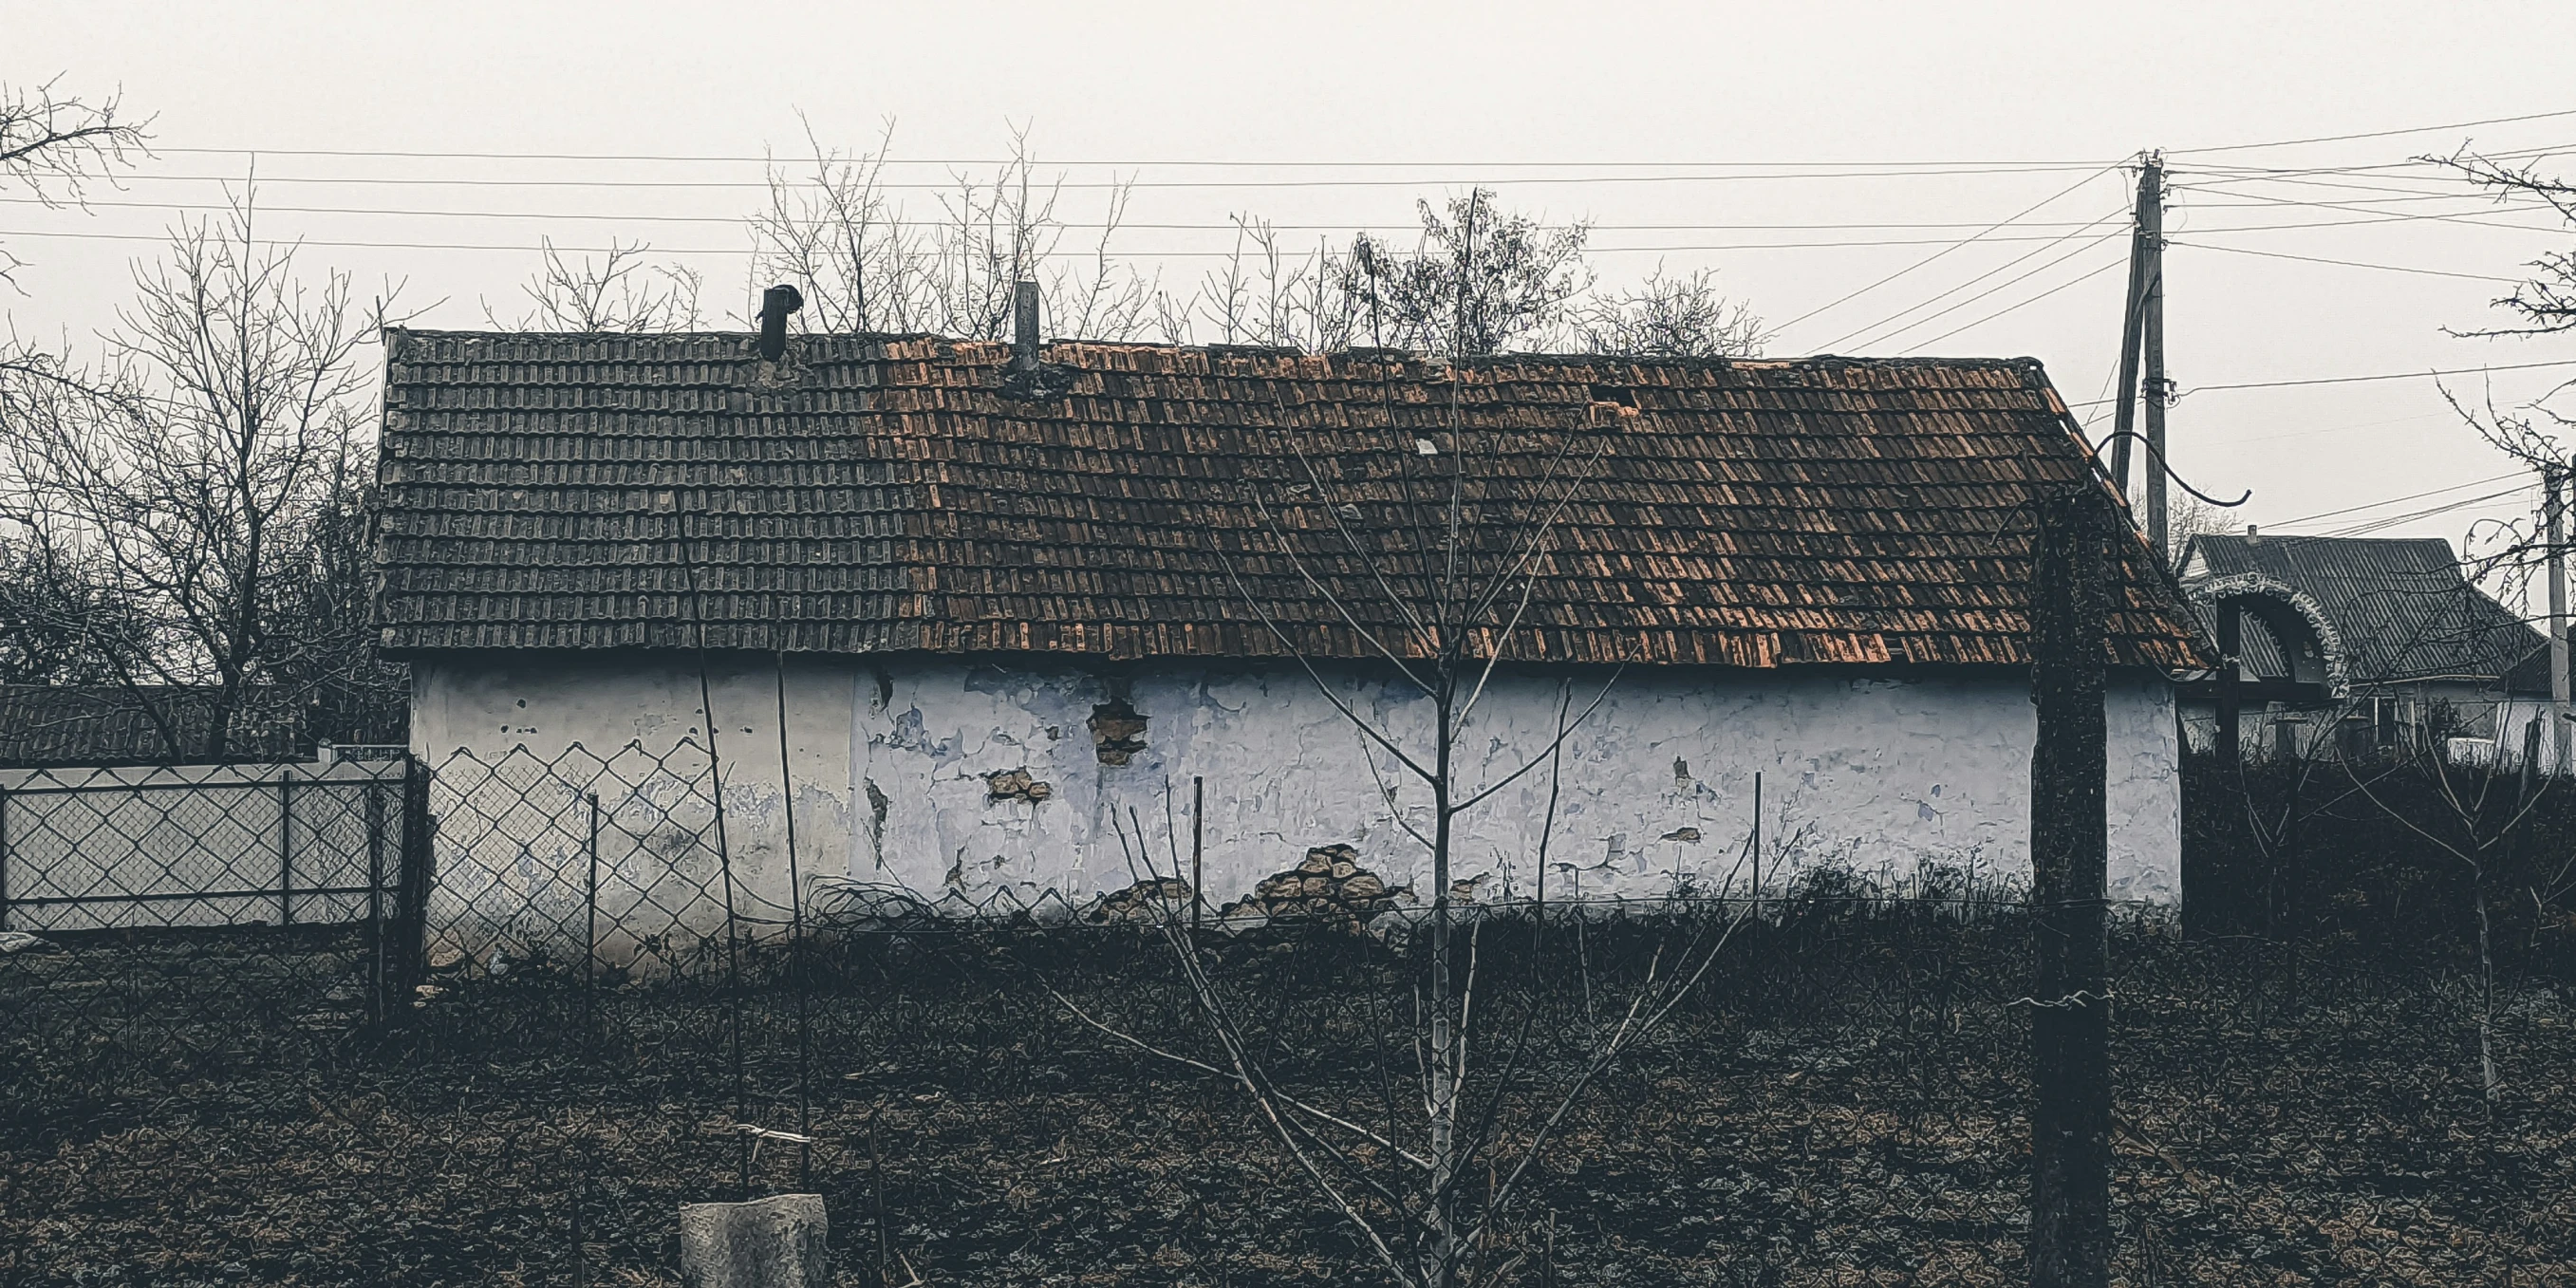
pixel 899 759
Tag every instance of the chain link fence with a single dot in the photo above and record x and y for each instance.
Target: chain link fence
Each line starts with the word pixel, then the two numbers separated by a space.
pixel 486 1022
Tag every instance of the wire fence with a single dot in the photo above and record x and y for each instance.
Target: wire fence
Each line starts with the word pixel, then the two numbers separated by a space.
pixel 561 1047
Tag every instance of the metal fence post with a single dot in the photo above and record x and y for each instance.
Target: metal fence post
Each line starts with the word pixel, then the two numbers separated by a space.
pixel 411 908
pixel 285 850
pixel 590 931
pixel 375 791
pixel 4 858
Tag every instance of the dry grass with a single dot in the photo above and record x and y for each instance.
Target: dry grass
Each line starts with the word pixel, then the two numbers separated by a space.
pixel 1840 1106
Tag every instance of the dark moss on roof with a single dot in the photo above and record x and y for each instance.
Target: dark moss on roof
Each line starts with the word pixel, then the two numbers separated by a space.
pixel 879 494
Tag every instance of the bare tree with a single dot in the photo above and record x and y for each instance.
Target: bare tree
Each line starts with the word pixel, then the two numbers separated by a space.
pixel 621 290
pixel 214 486
pixel 1477 282
pixel 1669 317
pixel 54 145
pixel 1440 596
pixel 1269 295
pixel 866 261
pixel 2546 303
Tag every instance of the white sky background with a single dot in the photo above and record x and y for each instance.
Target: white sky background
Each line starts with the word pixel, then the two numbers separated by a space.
pixel 1435 98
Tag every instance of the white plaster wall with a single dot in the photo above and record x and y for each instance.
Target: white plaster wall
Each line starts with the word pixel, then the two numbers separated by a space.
pixel 890 762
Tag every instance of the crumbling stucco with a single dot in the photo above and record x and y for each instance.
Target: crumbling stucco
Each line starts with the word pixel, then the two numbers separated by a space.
pixel 896 763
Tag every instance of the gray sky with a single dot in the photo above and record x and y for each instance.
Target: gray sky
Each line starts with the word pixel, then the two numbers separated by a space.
pixel 2028 100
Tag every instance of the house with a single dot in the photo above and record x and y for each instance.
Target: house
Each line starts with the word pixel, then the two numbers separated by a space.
pixel 64 726
pixel 974 615
pixel 2362 645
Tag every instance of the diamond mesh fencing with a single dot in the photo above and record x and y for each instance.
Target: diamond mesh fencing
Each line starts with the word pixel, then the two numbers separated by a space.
pixel 490 1022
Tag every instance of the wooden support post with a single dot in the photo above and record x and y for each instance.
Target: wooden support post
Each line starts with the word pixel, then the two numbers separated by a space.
pixel 2144 236
pixel 2231 671
pixel 1757 842
pixel 2070 1127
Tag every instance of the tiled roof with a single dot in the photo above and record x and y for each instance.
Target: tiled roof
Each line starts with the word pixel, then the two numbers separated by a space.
pixel 887 494
pixel 43 725
pixel 2401 605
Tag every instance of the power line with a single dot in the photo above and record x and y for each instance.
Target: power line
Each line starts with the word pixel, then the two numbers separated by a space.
pixel 868 159
pixel 1206 226
pixel 523 248
pixel 2382 525
pixel 1882 337
pixel 1491 164
pixel 2350 380
pixel 2086 277
pixel 2378 134
pixel 2399 500
pixel 2346 263
pixel 2069 190
pixel 737 221
pixel 2377 216
pixel 1127 185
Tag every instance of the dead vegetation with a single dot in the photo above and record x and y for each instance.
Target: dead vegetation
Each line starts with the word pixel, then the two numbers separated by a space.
pixel 1839 1103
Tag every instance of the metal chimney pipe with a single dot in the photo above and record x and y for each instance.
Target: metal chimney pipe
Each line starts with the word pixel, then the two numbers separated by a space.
pixel 1024 327
pixel 775 304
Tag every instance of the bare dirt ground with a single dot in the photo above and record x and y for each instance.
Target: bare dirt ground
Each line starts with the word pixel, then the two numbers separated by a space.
pixel 1839 1104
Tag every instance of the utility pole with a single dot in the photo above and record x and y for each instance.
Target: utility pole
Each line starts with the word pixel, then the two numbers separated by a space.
pixel 2146 256
pixel 2553 487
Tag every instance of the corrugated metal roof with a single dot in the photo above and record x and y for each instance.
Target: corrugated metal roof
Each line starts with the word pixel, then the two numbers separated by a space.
pixel 2402 605
pixel 887 494
pixel 45 726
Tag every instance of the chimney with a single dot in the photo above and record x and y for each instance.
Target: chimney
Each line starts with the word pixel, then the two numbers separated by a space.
pixel 1024 327
pixel 775 304
pixel 2253 533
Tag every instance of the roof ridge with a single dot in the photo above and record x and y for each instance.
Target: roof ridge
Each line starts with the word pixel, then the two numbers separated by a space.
pixel 1815 361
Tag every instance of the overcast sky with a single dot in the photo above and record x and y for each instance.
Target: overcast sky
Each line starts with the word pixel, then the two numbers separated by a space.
pixel 1926 123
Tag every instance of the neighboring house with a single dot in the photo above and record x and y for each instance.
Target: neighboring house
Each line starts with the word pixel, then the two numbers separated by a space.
pixel 2360 645
pixel 1007 611
pixel 48 726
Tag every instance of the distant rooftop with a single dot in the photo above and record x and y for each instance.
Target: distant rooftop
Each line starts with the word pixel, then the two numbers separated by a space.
pixel 2402 605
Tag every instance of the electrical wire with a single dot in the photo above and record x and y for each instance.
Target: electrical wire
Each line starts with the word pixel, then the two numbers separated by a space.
pixel 2350 380
pixel 1925 344
pixel 1997 226
pixel 1229 227
pixel 2375 134
pixel 2025 257
pixel 2347 263
pixel 868 159
pixel 1884 337
pixel 1121 185
pixel 2382 525
pixel 2398 500
pixel 2376 216
pixel 1078 253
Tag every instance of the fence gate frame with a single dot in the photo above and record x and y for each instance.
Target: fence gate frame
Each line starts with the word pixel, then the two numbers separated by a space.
pixel 390 905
